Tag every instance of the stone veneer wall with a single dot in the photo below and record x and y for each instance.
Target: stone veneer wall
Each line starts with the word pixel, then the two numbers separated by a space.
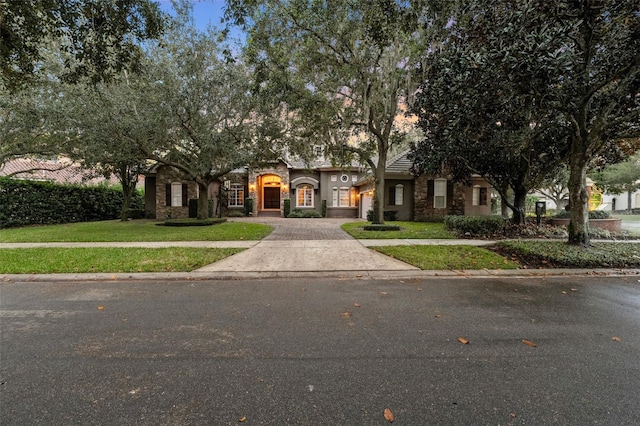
pixel 280 170
pixel 165 175
pixel 423 199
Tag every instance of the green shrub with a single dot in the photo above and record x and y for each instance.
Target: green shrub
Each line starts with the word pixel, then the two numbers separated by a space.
pixel 370 215
pixel 324 208
pixel 474 225
pixel 24 203
pixel 248 206
pixel 593 214
pixel 287 207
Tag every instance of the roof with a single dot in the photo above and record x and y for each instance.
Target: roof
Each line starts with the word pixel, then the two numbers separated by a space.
pixel 52 171
pixel 399 164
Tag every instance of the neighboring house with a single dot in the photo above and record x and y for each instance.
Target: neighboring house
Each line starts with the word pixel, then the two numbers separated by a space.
pixel 60 172
pixel 347 191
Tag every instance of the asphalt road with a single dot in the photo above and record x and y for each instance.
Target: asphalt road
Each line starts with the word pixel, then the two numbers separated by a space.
pixel 316 352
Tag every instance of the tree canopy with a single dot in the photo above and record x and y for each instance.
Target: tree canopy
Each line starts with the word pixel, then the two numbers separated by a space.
pixel 102 37
pixel 343 68
pixel 580 61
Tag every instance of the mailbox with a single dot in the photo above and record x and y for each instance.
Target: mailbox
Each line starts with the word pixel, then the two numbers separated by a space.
pixel 541 210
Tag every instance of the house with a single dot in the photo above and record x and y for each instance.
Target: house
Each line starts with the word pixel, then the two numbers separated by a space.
pixel 346 191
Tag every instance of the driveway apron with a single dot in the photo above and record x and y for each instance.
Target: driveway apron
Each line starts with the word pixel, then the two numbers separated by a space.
pixel 307 245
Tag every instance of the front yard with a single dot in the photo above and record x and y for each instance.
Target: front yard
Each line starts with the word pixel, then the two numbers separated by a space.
pixel 408 230
pixel 134 230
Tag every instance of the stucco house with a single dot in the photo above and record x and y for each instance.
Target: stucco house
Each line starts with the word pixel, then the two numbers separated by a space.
pixel 347 191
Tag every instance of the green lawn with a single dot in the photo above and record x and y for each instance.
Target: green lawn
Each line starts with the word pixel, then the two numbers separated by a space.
pixel 135 230
pixel 111 260
pixel 559 254
pixel 448 257
pixel 408 230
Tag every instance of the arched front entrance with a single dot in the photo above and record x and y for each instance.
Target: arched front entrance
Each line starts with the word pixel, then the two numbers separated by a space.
pixel 271 190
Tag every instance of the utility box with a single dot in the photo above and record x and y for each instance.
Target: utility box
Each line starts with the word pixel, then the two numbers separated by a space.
pixel 541 210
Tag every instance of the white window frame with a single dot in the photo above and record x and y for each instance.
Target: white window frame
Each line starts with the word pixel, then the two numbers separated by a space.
pixel 399 194
pixel 475 198
pixel 234 198
pixel 304 190
pixel 440 194
pixel 176 194
pixel 344 194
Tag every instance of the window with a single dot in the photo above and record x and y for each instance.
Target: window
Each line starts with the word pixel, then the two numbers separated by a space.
pixel 479 196
pixel 344 197
pixel 440 193
pixel 176 194
pixel 304 196
pixel 399 195
pixel 236 195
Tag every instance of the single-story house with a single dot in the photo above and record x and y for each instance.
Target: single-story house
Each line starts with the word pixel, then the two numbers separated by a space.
pixel 346 191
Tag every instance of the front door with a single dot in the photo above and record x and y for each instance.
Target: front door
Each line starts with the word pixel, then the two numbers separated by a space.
pixel 271 198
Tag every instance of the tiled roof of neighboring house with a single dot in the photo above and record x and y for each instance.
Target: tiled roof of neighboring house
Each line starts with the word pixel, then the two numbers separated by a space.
pixel 399 164
pixel 52 171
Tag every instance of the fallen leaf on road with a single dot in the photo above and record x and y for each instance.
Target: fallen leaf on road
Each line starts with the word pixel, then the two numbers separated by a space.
pixel 564 292
pixel 615 338
pixel 574 289
pixel 529 343
pixel 346 314
pixel 438 316
pixel 101 308
pixel 242 419
pixel 463 340
pixel 383 292
pixel 388 415
pixel 357 305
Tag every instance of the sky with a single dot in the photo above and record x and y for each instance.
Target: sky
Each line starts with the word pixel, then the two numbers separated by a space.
pixel 205 12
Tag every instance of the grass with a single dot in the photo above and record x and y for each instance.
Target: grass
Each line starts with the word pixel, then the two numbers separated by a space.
pixel 448 257
pixel 112 260
pixel 559 254
pixel 408 230
pixel 135 230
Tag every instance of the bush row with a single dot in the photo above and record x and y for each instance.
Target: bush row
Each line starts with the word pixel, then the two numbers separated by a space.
pixel 474 225
pixel 24 203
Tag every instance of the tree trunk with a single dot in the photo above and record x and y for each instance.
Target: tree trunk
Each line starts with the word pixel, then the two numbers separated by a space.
pixel 378 196
pixel 578 200
pixel 519 206
pixel 203 200
pixel 629 200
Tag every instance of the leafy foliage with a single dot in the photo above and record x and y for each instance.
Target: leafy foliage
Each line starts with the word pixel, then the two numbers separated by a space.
pixel 344 69
pixel 561 254
pixel 25 203
pixel 102 37
pixel 474 225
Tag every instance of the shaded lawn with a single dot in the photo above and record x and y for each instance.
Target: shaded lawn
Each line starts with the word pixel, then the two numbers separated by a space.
pixel 559 254
pixel 134 230
pixel 408 230
pixel 448 257
pixel 101 259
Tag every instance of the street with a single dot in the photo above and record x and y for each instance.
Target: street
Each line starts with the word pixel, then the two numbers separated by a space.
pixel 321 351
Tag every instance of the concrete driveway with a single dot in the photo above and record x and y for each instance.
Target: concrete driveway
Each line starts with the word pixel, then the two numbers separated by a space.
pixel 307 245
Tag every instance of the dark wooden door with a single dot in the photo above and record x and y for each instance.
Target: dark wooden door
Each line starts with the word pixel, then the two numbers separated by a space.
pixel 271 198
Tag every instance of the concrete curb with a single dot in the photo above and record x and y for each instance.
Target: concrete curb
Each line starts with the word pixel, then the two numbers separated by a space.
pixel 382 275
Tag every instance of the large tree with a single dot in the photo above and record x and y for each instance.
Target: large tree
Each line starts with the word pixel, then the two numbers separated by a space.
pixel 101 37
pixel 344 69
pixel 579 58
pixel 207 115
pixel 478 116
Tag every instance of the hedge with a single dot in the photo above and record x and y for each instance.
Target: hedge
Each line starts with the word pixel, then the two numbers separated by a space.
pixel 474 225
pixel 24 203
